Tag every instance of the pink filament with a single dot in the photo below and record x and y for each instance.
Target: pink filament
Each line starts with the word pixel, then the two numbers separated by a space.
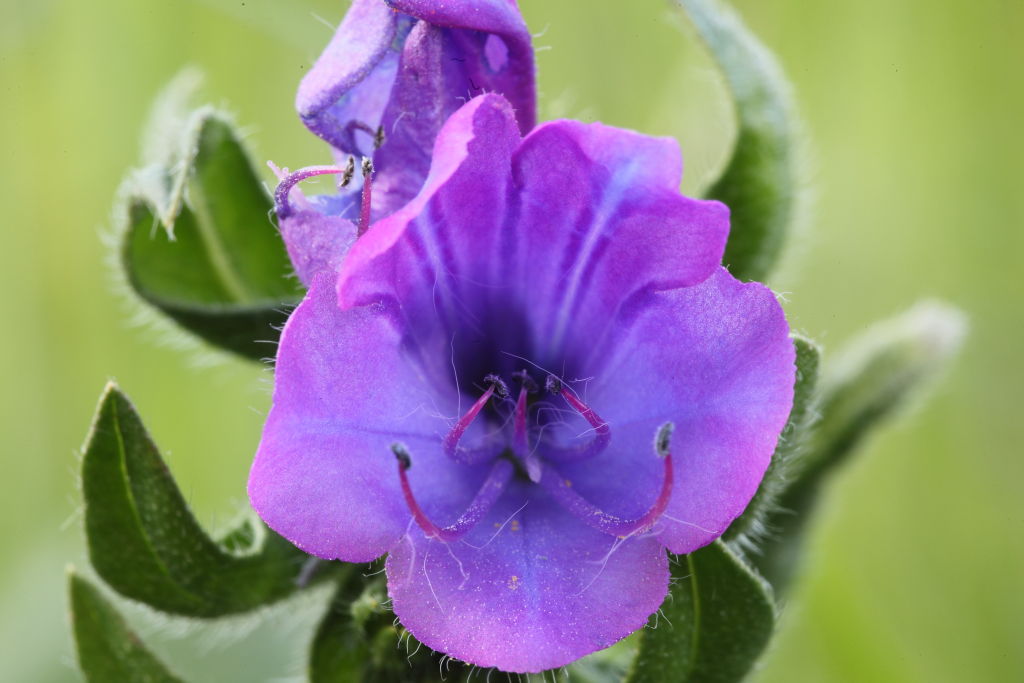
pixel 451 441
pixel 520 441
pixel 561 490
pixel 602 432
pixel 364 207
pixel 481 504
pixel 284 188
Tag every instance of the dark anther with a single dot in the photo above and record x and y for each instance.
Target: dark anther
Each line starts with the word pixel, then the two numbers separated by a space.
pixel 378 137
pixel 553 385
pixel 402 455
pixel 663 440
pixel 524 378
pixel 350 170
pixel 367 166
pixel 500 388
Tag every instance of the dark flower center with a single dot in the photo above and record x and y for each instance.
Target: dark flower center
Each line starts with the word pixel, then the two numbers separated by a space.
pixel 527 451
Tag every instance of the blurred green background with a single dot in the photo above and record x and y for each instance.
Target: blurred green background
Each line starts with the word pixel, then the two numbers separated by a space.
pixel 917 168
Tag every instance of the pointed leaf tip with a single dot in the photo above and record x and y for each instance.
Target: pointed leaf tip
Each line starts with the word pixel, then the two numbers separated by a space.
pixel 144 541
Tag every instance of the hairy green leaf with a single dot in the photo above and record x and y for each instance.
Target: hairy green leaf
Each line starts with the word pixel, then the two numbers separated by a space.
pixel 713 627
pixel 108 650
pixel 759 182
pixel 144 541
pixel 199 245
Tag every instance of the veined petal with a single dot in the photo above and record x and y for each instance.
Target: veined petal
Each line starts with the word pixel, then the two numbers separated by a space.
pixel 599 217
pixel 346 390
pixel 529 247
pixel 532 588
pixel 716 361
pixel 435 258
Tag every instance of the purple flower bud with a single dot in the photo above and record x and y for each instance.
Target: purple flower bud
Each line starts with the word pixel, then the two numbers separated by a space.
pixel 391 76
pixel 533 528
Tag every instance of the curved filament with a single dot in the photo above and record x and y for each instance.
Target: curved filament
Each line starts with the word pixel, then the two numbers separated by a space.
pixel 481 504
pixel 602 432
pixel 561 490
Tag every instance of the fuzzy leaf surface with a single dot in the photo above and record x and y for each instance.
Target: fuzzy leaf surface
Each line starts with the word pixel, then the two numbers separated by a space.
pixel 714 626
pixel 145 543
pixel 199 245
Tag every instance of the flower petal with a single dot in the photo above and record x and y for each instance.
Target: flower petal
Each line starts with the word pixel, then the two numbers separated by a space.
pixel 529 246
pixel 716 360
pixel 316 241
pixel 502 64
pixel 435 257
pixel 352 79
pixel 599 218
pixel 407 67
pixel 345 390
pixel 531 589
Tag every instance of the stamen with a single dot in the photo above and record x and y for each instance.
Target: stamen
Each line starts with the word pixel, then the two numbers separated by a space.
pixel 350 171
pixel 282 206
pixel 451 441
pixel 377 133
pixel 526 380
pixel 364 208
pixel 481 504
pixel 520 441
pixel 561 490
pixel 602 432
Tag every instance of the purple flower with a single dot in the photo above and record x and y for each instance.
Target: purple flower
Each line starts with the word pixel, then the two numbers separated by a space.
pixel 392 75
pixel 524 386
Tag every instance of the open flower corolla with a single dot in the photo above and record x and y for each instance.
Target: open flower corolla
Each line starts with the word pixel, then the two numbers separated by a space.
pixel 525 386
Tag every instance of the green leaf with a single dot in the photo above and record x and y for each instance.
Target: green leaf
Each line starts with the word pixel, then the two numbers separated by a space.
pixel 751 527
pixel 198 242
pixel 715 624
pixel 145 543
pixel 759 182
pixel 874 376
pixel 108 651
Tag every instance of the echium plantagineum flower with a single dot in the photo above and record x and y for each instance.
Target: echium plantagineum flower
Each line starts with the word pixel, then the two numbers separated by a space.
pixel 393 73
pixel 524 386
